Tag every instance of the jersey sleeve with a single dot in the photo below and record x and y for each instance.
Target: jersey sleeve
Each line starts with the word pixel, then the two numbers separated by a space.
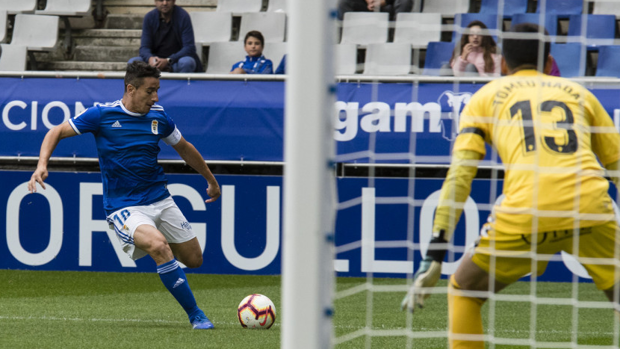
pixel 474 126
pixel 172 135
pixel 605 137
pixel 87 121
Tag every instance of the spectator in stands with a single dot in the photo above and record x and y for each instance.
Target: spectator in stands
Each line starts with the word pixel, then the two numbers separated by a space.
pixel 168 39
pixel 255 62
pixel 554 70
pixel 476 54
pixel 282 66
pixel 391 6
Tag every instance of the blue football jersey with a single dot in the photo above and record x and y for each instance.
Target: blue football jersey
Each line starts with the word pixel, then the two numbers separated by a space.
pixel 128 145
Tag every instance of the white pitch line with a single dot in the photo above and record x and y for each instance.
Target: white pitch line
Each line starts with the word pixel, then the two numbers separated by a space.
pixel 376 327
pixel 55 318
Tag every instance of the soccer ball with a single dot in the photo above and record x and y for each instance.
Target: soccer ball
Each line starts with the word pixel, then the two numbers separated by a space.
pixel 256 311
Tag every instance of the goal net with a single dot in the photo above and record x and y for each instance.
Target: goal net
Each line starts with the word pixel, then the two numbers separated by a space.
pixel 394 138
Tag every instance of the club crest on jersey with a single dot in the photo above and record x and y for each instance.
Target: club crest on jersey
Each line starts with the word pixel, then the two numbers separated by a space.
pixel 154 127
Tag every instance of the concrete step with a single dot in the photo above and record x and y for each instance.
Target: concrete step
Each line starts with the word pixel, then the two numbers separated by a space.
pixel 124 21
pixel 108 37
pixel 141 7
pixel 84 66
pixel 105 54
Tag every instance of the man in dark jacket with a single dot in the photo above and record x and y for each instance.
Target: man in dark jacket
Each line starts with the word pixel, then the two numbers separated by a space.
pixel 168 39
pixel 391 6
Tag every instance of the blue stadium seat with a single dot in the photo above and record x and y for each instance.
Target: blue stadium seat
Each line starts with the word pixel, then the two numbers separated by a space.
pixel 463 19
pixel 570 59
pixel 437 54
pixel 550 21
pixel 563 8
pixel 608 61
pixel 600 29
pixel 511 7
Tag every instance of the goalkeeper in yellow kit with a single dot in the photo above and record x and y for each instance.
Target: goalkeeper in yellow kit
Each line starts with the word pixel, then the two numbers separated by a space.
pixel 548 132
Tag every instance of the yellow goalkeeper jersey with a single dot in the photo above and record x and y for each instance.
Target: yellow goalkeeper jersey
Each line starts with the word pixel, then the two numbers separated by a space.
pixel 548 132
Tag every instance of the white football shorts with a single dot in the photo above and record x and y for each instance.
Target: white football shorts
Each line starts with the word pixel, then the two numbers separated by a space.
pixel 164 215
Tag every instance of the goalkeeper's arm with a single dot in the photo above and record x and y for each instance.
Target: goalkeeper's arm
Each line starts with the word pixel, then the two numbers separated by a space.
pixel 613 170
pixel 454 193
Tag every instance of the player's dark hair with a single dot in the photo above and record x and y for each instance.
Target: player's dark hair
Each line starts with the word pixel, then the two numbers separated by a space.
pixel 137 71
pixel 488 45
pixel 255 34
pixel 524 50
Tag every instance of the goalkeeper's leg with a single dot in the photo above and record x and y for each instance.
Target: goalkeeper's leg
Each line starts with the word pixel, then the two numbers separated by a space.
pixel 465 320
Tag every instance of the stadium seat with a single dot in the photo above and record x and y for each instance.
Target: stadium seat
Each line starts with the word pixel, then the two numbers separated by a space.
pixel 511 7
pixel 599 29
pixel 13 57
pixel 271 24
pixel 462 20
pixel 608 61
pixel 561 8
pixel 18 6
pixel 437 54
pixel 274 51
pixel 66 9
pixel 447 8
pixel 606 7
pixel 37 32
pixel 239 6
pixel 417 29
pixel 550 22
pixel 570 59
pixel 276 6
pixel 3 25
pixel 346 59
pixel 222 56
pixel 211 26
pixel 388 59
pixel 363 28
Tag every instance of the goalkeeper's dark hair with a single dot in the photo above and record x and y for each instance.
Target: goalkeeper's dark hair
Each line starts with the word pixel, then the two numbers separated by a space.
pixel 137 71
pixel 521 50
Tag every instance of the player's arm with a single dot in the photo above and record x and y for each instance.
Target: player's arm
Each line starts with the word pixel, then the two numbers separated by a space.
pixel 454 192
pixel 605 138
pixel 192 157
pixel 50 142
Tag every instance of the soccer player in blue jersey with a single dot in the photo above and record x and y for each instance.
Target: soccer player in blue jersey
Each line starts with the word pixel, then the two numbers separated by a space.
pixel 135 197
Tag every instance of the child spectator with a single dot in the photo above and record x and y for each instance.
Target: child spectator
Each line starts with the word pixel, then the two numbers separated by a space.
pixel 255 62
pixel 282 66
pixel 476 53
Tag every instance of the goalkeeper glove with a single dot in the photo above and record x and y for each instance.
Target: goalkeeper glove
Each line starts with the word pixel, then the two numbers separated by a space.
pixel 427 276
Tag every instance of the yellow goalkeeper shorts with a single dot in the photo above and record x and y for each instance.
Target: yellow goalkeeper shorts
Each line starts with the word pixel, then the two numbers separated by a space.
pixel 598 251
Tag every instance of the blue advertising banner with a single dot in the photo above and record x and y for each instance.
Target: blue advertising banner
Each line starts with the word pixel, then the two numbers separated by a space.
pixel 64 228
pixel 243 120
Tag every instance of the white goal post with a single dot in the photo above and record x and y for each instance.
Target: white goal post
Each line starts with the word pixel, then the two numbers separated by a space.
pixel 309 194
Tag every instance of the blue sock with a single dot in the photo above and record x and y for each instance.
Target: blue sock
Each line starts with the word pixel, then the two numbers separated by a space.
pixel 173 277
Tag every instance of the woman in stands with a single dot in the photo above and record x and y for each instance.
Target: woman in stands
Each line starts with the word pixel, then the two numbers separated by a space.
pixel 255 62
pixel 476 53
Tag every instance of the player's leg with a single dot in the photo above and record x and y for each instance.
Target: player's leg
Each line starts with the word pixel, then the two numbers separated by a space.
pixel 603 242
pixel 464 310
pixel 613 294
pixel 189 253
pixel 469 286
pixel 184 245
pixel 151 240
pixel 147 238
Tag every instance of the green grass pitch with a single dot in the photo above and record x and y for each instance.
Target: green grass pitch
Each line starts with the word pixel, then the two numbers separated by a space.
pixel 133 310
